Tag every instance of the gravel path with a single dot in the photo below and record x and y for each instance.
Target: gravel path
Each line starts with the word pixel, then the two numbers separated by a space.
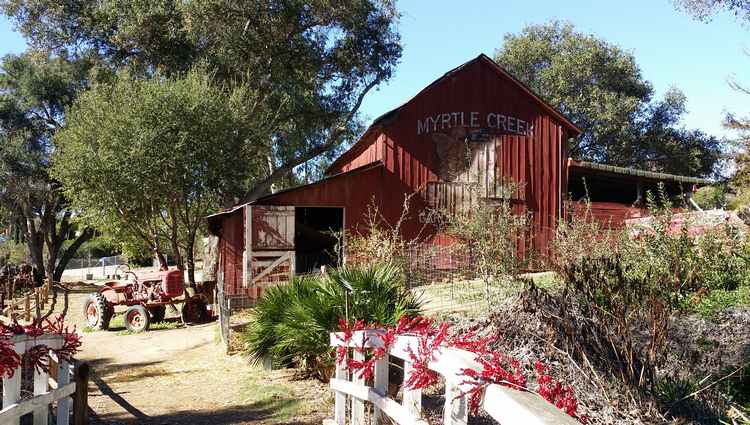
pixel 182 376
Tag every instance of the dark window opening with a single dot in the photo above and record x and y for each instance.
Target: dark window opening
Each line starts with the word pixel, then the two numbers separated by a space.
pixel 315 238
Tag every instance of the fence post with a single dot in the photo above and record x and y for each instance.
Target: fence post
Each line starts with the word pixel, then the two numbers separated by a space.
pixel 41 386
pixel 12 386
pixel 81 398
pixel 27 307
pixel 412 399
pixel 339 412
pixel 358 406
pixel 456 411
pixel 63 405
pixel 381 386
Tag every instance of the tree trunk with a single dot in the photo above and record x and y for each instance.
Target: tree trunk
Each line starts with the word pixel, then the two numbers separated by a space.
pixel 70 252
pixel 36 250
pixel 160 258
pixel 51 263
pixel 190 258
pixel 35 242
pixel 175 239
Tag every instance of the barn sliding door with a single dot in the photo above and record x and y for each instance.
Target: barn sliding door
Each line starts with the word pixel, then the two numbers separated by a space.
pixel 269 243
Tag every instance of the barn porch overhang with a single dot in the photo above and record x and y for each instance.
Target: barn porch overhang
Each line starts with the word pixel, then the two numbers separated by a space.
pixel 618 187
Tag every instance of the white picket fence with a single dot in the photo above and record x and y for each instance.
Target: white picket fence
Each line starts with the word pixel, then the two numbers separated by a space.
pixel 43 397
pixel 505 405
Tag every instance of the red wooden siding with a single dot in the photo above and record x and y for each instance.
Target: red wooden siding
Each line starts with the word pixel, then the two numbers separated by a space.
pixel 354 191
pixel 232 247
pixel 538 162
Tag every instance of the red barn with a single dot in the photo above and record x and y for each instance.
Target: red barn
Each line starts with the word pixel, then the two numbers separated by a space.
pixel 474 125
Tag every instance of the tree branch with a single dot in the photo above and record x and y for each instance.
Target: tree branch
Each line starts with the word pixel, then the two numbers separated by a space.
pixel 68 254
pixel 335 131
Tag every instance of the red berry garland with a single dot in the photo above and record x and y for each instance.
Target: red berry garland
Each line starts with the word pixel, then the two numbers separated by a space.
pixel 39 355
pixel 495 367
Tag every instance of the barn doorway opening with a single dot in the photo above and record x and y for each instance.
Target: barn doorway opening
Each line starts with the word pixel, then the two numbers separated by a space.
pixel 315 237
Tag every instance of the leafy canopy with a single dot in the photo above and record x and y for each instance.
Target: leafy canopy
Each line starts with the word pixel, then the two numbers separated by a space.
pixel 600 87
pixel 704 10
pixel 152 157
pixel 310 62
pixel 35 89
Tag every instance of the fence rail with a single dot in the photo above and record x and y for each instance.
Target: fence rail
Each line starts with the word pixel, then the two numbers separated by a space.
pixel 27 307
pixel 54 387
pixel 505 405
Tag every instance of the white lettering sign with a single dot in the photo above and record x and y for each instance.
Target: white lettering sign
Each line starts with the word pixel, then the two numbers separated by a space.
pixel 495 121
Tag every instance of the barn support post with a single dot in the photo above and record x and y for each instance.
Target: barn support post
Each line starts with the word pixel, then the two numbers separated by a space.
pixel 247 254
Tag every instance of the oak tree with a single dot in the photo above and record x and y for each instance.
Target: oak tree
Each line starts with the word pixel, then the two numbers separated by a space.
pixel 310 62
pixel 35 88
pixel 600 87
pixel 153 157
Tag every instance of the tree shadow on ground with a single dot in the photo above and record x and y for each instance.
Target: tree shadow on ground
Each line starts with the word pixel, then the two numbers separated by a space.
pixel 251 413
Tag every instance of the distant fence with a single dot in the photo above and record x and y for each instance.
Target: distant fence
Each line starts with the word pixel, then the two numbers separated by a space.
pixel 95 268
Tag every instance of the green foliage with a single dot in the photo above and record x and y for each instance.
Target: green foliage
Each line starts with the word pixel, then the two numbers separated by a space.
pixel 645 274
pixel 100 246
pixel 711 197
pixel 13 252
pixel 151 158
pixel 720 300
pixel 691 261
pixel 600 87
pixel 310 62
pixel 292 322
pixel 35 89
pixel 704 10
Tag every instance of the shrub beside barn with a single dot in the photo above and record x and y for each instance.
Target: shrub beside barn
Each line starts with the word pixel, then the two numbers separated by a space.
pixel 474 130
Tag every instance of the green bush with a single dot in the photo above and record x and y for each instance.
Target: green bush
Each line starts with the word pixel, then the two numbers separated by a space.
pixel 645 275
pixel 292 322
pixel 721 299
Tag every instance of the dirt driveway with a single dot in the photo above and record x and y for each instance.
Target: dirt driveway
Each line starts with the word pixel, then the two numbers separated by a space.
pixel 182 376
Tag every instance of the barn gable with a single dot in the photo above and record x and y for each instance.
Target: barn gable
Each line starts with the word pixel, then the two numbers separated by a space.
pixel 475 124
pixel 479 82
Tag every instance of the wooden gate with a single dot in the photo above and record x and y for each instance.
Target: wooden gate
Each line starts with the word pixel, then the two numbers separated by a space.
pixel 270 252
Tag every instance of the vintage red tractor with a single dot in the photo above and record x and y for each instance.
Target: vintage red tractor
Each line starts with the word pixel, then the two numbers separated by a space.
pixel 146 296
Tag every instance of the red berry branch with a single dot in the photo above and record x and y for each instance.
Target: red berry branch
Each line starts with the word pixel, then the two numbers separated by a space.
pixel 39 355
pixel 495 367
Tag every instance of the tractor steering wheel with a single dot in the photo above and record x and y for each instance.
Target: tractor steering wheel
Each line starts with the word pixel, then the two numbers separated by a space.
pixel 135 276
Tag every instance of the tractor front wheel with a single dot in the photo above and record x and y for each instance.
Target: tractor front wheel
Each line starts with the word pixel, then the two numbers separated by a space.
pixel 136 319
pixel 97 311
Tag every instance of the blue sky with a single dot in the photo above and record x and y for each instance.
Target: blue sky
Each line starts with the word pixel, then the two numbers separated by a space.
pixel 671 48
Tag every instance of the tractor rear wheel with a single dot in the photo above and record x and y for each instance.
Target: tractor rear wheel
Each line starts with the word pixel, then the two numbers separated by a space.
pixel 194 311
pixel 97 311
pixel 136 319
pixel 157 313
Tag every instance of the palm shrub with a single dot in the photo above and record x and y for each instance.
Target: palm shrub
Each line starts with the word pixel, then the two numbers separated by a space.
pixel 292 321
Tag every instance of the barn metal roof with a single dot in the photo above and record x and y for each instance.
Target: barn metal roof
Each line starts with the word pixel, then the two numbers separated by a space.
pixel 228 211
pixel 611 169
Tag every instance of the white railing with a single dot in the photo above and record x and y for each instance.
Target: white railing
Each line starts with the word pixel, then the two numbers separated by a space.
pixel 505 405
pixel 39 404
